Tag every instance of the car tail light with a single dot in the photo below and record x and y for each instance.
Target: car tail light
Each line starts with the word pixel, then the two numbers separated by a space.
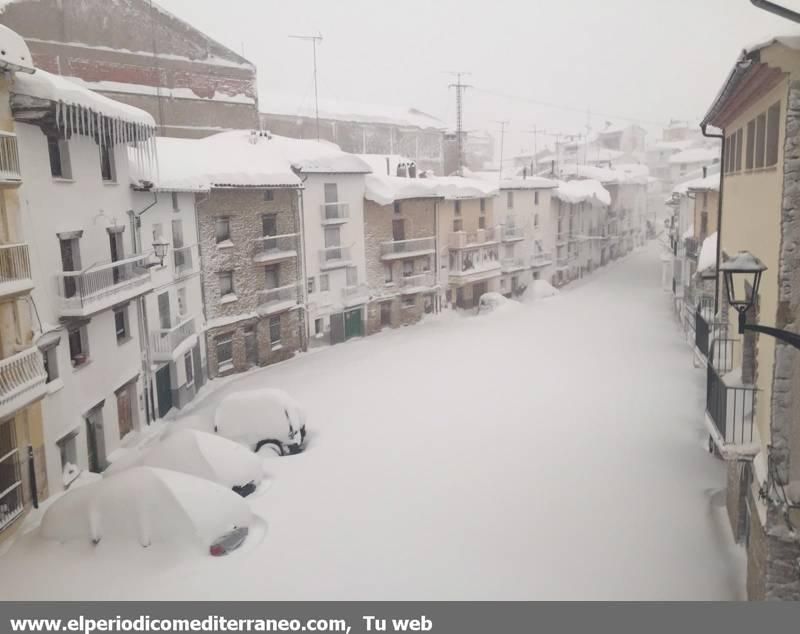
pixel 217 550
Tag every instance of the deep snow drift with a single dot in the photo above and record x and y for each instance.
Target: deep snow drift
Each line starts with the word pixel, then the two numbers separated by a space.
pixel 556 451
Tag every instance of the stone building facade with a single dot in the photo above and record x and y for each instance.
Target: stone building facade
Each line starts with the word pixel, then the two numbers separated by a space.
pixel 401 253
pixel 135 52
pixel 252 259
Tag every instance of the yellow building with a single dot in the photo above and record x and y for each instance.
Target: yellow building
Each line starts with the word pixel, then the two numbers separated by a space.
pixel 753 404
pixel 22 372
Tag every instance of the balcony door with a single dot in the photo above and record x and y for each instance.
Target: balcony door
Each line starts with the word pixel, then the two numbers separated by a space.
pixel 117 254
pixel 95 440
pixel 333 238
pixel 271 277
pixel 269 227
pixel 70 261
pixel 331 201
pixel 399 233
pixel 164 313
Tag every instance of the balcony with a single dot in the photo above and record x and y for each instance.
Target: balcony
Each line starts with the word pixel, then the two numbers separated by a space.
pixel 510 233
pixel 355 294
pixel 400 249
pixel 276 300
pixel 334 258
pixel 101 286
pixel 473 266
pixel 704 325
pixel 271 249
pixel 9 160
pixel 730 403
pixel 22 381
pixel 167 344
pixel 513 265
pixel 15 270
pixel 541 259
pixel 417 283
pixel 465 240
pixel 334 213
pixel 183 260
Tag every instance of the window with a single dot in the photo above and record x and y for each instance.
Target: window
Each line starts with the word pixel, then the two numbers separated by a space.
pixel 250 345
pixel 275 331
pixel 761 129
pixel 108 170
pixel 175 206
pixel 68 450
pixel 536 198
pixel 58 150
pixel 351 275
pixel 331 193
pixel 773 131
pixel 397 207
pixel 50 358
pixel 158 232
pixel 269 225
pixel 183 307
pixel 224 344
pixel 78 347
pixel 483 205
pixel 272 276
pixel 226 283
pixel 387 273
pixel 408 268
pixel 223 229
pixel 409 301
pixel 70 261
pixel 481 222
pixel 536 219
pixel 310 285
pixel 457 224
pixel 457 207
pixel 324 283
pixel 318 327
pixel 751 145
pixel 737 165
pixel 509 200
pixel 121 326
pixel 269 195
pixel 398 230
pixel 188 367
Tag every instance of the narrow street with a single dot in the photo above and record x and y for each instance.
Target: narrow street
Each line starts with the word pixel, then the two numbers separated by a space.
pixel 552 450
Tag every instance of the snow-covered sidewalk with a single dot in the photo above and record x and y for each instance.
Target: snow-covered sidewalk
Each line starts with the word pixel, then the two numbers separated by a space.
pixel 552 451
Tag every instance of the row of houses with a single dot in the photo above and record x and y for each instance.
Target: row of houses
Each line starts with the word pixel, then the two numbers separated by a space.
pixel 732 269
pixel 134 268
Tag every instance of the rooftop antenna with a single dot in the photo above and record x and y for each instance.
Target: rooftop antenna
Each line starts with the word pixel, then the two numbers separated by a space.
pixel 460 88
pixel 313 39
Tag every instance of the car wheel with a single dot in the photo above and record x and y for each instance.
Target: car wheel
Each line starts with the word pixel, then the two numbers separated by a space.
pixel 269 448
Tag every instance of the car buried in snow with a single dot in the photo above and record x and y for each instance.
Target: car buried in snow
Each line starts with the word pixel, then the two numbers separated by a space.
pixel 266 420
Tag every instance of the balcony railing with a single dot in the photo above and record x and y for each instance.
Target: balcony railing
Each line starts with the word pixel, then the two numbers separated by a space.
pixel 283 297
pixel 413 283
pixel 334 213
pixel 164 341
pixel 705 324
pixel 101 286
pixel 464 239
pixel 22 380
pixel 183 259
pixel 15 269
pixel 541 258
pixel 730 405
pixel 11 501
pixel 395 249
pixel 333 257
pixel 511 233
pixel 275 248
pixel 9 159
pixel 474 262
pixel 513 264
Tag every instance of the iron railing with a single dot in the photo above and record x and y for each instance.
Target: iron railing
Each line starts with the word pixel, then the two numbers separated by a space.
pixel 463 239
pixel 730 405
pixel 334 212
pixel 21 376
pixel 9 158
pixel 268 248
pixel 15 263
pixel 164 341
pixel 402 247
pixel 12 501
pixel 418 280
pixel 334 256
pixel 290 292
pixel 77 289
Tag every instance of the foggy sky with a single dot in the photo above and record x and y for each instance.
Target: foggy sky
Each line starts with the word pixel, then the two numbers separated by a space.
pixel 650 60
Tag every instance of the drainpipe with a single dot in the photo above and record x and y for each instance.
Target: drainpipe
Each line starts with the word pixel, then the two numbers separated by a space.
pixel 777 9
pixel 141 314
pixel 197 201
pixel 719 208
pixel 303 268
pixel 437 305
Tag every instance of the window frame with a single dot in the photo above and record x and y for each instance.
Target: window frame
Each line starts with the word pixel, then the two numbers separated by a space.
pixel 226 221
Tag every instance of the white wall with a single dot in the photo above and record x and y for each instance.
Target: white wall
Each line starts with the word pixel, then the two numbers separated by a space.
pixel 50 206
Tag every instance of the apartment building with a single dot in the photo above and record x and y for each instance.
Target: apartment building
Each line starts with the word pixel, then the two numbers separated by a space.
pixel 175 357
pixel 402 249
pixel 521 210
pixel 89 281
pixel 22 371
pixel 753 402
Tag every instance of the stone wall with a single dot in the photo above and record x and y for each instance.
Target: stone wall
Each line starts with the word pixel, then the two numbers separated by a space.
pixel 402 313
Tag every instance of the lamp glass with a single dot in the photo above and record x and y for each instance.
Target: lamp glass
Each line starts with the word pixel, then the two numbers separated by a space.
pixel 160 249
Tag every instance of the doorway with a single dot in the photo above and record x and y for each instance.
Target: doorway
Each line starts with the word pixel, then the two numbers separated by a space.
pixel 163 390
pixel 95 439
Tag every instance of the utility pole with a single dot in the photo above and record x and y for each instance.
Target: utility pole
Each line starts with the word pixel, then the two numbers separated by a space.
pixel 313 39
pixel 460 88
pixel 503 125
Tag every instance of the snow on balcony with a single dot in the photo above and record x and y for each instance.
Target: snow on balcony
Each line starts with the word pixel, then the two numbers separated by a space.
pixel 276 300
pixel 9 159
pixel 334 213
pixel 22 381
pixel 401 249
pixel 334 258
pixel 465 239
pixel 419 283
pixel 270 249
pixel 15 270
pixel 167 344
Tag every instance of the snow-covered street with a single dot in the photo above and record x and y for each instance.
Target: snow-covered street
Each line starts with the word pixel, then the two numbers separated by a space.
pixel 551 450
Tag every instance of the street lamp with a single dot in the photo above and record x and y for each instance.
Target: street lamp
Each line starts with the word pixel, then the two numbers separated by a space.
pixel 160 249
pixel 743 270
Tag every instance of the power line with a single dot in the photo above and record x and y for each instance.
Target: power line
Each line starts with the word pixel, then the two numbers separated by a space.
pixel 313 39
pixel 460 88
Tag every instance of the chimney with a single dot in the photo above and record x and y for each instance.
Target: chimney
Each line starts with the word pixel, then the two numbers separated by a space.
pixel 705 171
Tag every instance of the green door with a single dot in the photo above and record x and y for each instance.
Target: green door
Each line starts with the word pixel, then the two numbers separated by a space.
pixel 352 324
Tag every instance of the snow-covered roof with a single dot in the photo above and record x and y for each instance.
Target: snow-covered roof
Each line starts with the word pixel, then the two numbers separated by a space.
pixel 708 254
pixel 695 155
pixel 312 156
pixel 14 53
pixel 384 190
pixel 582 190
pixel 62 91
pixel 340 110
pixel 387 164
pixel 620 174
